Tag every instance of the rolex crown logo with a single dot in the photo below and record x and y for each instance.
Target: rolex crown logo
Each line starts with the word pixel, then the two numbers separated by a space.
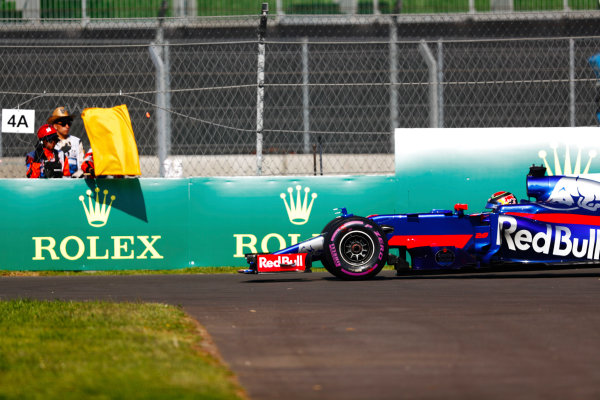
pixel 96 213
pixel 566 168
pixel 299 210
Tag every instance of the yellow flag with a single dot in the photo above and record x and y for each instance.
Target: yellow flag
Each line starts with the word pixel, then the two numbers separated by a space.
pixel 113 144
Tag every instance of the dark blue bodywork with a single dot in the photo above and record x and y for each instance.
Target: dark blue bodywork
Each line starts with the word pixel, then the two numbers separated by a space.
pixel 559 224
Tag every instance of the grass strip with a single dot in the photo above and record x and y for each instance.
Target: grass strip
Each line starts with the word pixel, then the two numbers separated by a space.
pixel 105 350
pixel 192 270
pixel 151 8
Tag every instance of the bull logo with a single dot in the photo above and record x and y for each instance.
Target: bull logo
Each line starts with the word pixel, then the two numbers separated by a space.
pixel 579 192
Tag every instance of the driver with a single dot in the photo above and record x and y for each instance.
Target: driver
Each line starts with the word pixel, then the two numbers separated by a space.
pixel 500 199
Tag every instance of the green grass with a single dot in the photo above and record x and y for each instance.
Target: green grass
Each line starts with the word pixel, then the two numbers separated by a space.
pixel 100 8
pixel 150 8
pixel 250 7
pixel 535 5
pixel 8 10
pixel 317 267
pixel 103 350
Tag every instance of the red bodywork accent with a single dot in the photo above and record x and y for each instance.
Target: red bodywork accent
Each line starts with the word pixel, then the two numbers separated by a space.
pixel 560 218
pixel 412 241
pixel 459 207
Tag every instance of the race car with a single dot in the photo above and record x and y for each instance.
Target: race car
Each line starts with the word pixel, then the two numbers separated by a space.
pixel 560 226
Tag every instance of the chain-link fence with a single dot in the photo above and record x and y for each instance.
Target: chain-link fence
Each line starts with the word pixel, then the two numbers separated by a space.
pixel 334 87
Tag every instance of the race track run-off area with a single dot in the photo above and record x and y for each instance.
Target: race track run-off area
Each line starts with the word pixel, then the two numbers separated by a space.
pixel 495 335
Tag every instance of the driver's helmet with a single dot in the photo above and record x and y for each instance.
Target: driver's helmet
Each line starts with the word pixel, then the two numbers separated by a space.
pixel 500 199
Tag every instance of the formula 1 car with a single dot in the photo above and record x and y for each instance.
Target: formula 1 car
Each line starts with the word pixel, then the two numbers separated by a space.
pixel 560 226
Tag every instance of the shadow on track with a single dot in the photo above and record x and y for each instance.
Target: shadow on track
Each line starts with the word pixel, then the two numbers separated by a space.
pixel 279 280
pixel 505 272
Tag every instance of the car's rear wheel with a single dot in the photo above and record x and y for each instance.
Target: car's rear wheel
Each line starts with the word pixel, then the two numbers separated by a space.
pixel 355 248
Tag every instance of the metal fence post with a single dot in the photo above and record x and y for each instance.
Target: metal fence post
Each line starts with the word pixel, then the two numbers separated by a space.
pixel 572 81
pixel 160 58
pixel 279 5
pixel 348 6
pixel 305 96
pixel 393 79
pixel 260 90
pixel 440 83
pixel 31 9
pixel 84 15
pixel 163 134
pixel 179 8
pixel 433 83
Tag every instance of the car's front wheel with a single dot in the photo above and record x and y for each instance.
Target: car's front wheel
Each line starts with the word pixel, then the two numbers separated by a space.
pixel 356 248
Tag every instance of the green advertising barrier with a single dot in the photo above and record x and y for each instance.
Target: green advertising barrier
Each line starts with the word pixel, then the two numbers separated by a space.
pixel 234 216
pixel 107 224
pixel 67 224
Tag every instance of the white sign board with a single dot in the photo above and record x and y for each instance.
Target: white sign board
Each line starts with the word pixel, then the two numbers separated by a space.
pixel 18 121
pixel 467 165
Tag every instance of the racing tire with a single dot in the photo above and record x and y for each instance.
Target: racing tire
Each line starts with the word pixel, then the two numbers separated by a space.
pixel 330 225
pixel 355 249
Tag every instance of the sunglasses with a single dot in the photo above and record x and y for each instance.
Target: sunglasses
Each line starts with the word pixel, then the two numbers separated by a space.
pixel 64 123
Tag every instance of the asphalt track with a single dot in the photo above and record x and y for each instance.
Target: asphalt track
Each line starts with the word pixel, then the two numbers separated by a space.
pixel 498 335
